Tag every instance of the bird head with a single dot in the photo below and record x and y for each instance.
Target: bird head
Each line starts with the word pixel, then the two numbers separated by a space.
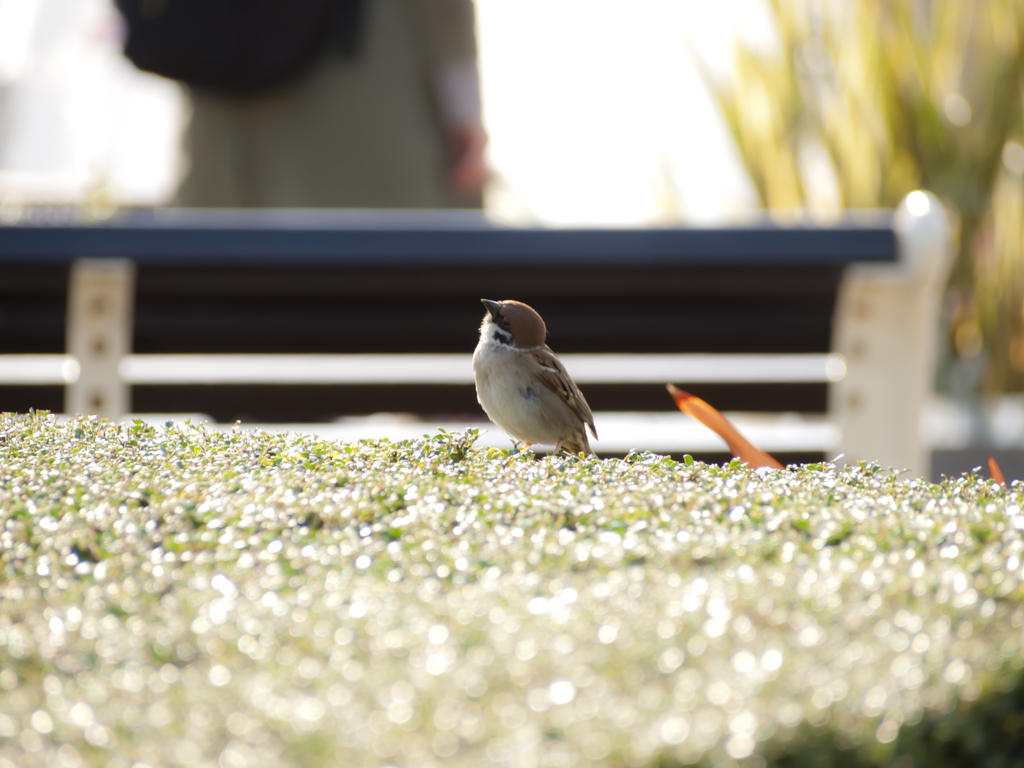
pixel 514 324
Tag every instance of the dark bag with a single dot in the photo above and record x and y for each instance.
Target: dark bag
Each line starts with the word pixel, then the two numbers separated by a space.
pixel 234 45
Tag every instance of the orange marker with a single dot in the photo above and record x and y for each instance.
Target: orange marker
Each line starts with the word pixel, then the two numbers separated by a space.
pixel 721 426
pixel 997 474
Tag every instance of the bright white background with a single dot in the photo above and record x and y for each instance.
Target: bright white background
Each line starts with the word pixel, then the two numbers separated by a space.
pixel 596 111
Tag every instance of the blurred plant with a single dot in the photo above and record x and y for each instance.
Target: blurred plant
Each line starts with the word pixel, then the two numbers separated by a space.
pixel 999 277
pixel 863 101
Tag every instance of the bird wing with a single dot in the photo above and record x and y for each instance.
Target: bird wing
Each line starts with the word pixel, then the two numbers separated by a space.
pixel 554 376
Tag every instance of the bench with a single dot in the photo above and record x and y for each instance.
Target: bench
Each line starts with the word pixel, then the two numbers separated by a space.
pixel 307 316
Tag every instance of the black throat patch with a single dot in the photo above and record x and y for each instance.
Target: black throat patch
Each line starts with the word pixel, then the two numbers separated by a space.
pixel 503 338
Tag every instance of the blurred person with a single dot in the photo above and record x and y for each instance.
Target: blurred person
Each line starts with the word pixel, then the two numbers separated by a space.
pixel 378 106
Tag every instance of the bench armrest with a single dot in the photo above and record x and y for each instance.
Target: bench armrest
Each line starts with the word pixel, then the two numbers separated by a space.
pixel 886 326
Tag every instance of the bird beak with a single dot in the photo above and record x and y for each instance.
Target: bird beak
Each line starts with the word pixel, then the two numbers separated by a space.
pixel 494 308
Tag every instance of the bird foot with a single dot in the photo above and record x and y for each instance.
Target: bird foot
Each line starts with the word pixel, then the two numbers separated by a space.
pixel 519 447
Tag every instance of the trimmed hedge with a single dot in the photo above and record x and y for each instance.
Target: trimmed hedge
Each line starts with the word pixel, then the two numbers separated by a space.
pixel 179 596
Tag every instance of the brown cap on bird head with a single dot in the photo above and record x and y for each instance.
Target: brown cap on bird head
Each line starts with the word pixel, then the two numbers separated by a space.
pixel 521 320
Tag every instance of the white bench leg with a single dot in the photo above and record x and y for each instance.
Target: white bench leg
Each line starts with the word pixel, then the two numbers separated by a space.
pixel 101 305
pixel 886 326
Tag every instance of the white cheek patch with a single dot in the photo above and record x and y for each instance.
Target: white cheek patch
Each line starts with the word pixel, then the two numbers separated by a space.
pixel 492 332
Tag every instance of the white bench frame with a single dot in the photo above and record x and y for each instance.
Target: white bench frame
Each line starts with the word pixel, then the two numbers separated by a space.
pixel 886 326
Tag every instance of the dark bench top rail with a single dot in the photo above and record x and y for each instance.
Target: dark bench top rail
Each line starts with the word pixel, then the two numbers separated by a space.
pixel 433 238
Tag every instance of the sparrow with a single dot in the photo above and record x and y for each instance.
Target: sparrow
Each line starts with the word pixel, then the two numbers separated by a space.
pixel 522 386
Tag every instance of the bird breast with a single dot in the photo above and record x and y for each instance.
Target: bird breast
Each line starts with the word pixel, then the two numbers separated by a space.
pixel 516 400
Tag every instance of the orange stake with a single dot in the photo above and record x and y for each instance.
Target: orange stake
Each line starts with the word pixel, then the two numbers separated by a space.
pixel 997 474
pixel 717 423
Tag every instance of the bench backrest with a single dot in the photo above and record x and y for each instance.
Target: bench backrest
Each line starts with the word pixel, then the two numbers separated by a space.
pixel 351 282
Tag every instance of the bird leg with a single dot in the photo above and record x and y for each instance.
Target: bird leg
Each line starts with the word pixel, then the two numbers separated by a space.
pixel 520 447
